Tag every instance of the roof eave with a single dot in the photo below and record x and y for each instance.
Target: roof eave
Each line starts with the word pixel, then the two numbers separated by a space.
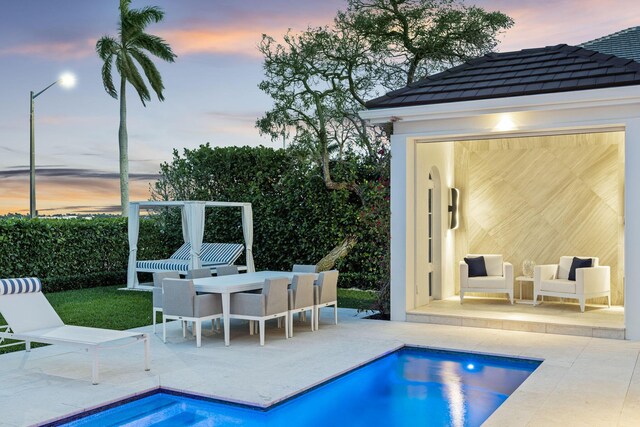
pixel 548 101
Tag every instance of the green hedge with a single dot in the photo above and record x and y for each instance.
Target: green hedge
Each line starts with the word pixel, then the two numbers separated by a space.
pixel 74 253
pixel 296 220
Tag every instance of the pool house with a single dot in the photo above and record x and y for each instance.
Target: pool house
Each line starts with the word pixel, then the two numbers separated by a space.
pixel 532 155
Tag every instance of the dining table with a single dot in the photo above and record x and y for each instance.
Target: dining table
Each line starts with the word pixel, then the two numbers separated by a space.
pixel 227 285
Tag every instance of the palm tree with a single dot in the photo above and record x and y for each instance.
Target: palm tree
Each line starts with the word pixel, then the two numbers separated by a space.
pixel 129 49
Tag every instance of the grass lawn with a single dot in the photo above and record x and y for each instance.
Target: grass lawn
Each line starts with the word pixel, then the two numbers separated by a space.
pixel 106 307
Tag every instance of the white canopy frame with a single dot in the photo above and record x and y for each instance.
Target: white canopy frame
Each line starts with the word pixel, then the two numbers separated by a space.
pixel 192 230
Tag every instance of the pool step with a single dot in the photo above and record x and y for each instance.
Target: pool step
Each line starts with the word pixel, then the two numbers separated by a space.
pixel 487 321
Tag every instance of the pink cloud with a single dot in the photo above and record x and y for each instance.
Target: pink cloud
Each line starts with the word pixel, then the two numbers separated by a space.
pixel 240 38
pixel 54 50
pixel 217 41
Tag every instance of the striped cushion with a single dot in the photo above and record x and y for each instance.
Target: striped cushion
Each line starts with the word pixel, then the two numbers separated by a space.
pixel 163 265
pixel 169 265
pixel 183 253
pixel 221 253
pixel 211 255
pixel 20 286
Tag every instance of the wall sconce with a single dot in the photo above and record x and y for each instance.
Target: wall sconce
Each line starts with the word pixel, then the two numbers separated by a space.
pixel 454 208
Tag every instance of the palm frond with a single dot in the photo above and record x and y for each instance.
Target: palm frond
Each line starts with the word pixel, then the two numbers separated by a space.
pixel 130 52
pixel 127 69
pixel 150 71
pixel 140 18
pixel 107 78
pixel 155 46
pixel 106 47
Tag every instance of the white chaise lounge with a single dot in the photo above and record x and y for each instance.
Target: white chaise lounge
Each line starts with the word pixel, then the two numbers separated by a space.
pixel 212 255
pixel 30 318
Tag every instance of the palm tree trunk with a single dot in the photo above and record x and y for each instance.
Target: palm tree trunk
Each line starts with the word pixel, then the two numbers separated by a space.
pixel 123 144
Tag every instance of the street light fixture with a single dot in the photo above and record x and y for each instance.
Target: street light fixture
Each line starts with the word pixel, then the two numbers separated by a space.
pixel 66 80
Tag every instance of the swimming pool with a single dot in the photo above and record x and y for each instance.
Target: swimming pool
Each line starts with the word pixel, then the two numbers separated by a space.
pixel 411 386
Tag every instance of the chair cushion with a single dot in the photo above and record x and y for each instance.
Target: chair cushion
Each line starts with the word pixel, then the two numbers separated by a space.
pixel 558 285
pixel 477 267
pixel 221 253
pixel 163 265
pixel 489 282
pixel 21 285
pixel 565 265
pixel 579 263
pixel 493 264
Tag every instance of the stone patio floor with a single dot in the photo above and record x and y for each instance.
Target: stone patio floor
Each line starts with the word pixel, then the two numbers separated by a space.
pixel 583 381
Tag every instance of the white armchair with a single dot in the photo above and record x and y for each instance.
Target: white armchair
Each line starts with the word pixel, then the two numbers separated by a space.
pixel 499 278
pixel 553 280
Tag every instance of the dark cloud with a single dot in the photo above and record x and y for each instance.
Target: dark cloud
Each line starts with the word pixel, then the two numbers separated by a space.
pixel 12 172
pixel 84 209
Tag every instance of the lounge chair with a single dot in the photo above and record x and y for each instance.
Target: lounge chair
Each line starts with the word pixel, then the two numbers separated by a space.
pixel 212 255
pixel 30 318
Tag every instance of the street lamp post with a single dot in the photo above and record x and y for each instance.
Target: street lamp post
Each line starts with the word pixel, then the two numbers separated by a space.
pixel 67 80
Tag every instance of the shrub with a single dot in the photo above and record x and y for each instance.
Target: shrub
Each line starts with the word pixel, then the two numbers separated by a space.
pixel 74 253
pixel 296 219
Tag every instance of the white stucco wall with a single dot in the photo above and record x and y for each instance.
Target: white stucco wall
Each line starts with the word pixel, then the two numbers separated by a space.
pixel 632 230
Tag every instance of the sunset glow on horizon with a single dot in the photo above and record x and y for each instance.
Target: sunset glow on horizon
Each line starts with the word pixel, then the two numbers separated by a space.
pixel 211 89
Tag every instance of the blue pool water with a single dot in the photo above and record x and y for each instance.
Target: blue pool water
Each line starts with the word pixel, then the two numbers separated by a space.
pixel 411 386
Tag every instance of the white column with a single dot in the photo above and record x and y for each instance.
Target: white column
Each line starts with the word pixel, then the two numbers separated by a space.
pixel 402 225
pixel 632 230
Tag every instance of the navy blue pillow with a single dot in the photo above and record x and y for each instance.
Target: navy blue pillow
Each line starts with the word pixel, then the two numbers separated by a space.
pixel 477 268
pixel 579 263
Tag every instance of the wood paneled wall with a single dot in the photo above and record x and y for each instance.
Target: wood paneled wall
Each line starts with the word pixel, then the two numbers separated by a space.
pixel 539 198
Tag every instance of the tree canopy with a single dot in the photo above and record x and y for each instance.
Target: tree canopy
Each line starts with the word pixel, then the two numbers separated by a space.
pixel 320 78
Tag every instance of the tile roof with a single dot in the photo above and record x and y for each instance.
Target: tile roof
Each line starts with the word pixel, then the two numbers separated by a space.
pixel 623 44
pixel 548 69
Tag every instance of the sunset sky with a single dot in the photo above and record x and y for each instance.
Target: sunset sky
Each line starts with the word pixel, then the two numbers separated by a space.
pixel 211 90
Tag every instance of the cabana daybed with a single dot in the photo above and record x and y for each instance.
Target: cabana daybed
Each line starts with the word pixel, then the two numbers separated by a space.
pixel 193 253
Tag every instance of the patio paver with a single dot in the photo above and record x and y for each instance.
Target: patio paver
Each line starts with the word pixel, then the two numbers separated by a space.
pixel 583 381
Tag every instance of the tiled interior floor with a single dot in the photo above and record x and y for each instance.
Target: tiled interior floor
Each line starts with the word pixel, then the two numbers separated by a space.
pixel 582 381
